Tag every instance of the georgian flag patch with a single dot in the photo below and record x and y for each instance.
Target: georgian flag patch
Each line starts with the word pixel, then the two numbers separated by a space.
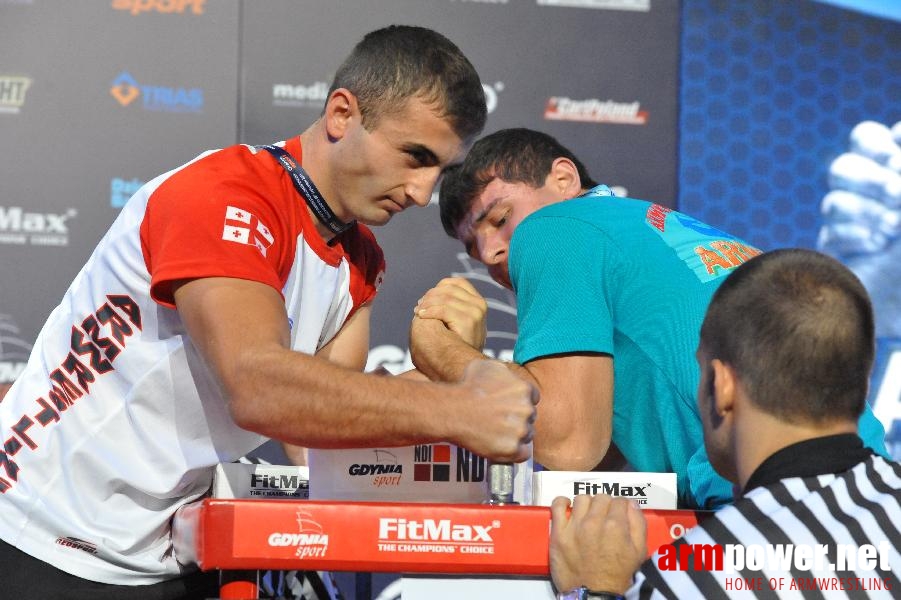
pixel 244 228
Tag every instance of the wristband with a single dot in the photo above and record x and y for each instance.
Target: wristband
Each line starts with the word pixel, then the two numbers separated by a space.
pixel 583 593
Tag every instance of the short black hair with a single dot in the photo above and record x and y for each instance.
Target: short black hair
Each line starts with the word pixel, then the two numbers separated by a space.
pixel 516 155
pixel 393 64
pixel 797 327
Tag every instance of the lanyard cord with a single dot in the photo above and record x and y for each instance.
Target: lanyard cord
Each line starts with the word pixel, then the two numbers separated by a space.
pixel 308 191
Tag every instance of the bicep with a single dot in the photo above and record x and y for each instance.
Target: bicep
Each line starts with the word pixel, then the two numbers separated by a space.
pixel 350 347
pixel 575 414
pixel 230 319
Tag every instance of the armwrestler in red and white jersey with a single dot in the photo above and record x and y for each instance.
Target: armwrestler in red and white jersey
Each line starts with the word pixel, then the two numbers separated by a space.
pixel 222 309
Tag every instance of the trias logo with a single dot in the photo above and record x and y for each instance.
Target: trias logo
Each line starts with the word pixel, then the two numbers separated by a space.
pixel 559 108
pixel 12 93
pixel 38 229
pixel 635 492
pixel 431 530
pixel 310 541
pixel 286 94
pixel 384 470
pixel 137 7
pixel 125 89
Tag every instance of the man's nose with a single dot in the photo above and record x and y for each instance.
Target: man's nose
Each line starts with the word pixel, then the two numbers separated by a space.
pixel 493 251
pixel 419 189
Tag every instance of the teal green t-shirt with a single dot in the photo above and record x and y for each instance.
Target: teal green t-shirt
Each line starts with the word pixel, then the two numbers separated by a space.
pixel 633 279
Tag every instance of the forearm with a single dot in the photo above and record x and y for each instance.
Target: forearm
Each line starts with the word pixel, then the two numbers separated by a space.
pixel 310 402
pixel 446 357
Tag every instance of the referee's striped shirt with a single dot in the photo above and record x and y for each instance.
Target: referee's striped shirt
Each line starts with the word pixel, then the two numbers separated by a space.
pixel 856 507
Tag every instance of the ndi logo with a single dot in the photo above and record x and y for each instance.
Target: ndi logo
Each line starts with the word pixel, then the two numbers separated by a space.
pixel 125 89
pixel 123 189
pixel 431 462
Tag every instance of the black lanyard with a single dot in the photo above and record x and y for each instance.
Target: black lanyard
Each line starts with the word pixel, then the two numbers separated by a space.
pixel 307 189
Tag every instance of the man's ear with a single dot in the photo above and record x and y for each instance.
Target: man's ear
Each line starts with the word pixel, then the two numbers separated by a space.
pixel 723 385
pixel 564 178
pixel 341 109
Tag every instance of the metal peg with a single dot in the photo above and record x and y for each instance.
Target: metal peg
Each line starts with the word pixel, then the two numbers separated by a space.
pixel 500 483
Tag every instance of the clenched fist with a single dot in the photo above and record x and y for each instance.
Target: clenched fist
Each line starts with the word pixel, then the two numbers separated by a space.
pixel 497 417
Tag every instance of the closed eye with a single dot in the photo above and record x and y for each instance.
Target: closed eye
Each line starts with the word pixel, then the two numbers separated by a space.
pixel 421 156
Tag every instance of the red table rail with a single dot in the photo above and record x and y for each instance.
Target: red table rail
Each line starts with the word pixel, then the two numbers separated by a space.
pixel 380 537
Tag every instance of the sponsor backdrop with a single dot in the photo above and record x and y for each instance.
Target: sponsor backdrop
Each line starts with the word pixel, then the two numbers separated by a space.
pixel 156 82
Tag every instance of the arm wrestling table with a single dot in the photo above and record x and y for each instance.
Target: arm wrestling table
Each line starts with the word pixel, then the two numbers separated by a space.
pixel 250 534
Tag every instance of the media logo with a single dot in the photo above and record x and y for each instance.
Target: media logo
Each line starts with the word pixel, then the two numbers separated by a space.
pixel 14 350
pixel 305 96
pixel 18 227
pixel 310 541
pixel 634 5
pixel 136 7
pixel 123 189
pixel 125 89
pixel 592 110
pixel 12 93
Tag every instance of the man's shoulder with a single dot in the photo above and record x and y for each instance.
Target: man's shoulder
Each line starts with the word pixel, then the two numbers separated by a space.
pixel 592 211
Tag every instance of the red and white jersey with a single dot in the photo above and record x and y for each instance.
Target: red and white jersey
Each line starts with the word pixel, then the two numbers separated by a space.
pixel 116 422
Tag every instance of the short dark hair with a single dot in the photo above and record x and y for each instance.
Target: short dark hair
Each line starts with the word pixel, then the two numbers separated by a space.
pixel 393 64
pixel 515 155
pixel 797 327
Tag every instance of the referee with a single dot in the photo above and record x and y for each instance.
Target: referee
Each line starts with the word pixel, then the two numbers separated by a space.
pixel 785 355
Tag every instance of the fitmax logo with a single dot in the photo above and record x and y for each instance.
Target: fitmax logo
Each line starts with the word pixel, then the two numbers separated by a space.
pixel 40 229
pixel 611 489
pixel 433 531
pixel 125 89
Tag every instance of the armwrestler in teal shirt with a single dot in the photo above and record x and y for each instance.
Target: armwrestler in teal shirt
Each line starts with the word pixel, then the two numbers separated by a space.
pixel 610 292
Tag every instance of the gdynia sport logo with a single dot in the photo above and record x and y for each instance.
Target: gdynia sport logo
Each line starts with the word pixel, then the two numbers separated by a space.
pixel 806 567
